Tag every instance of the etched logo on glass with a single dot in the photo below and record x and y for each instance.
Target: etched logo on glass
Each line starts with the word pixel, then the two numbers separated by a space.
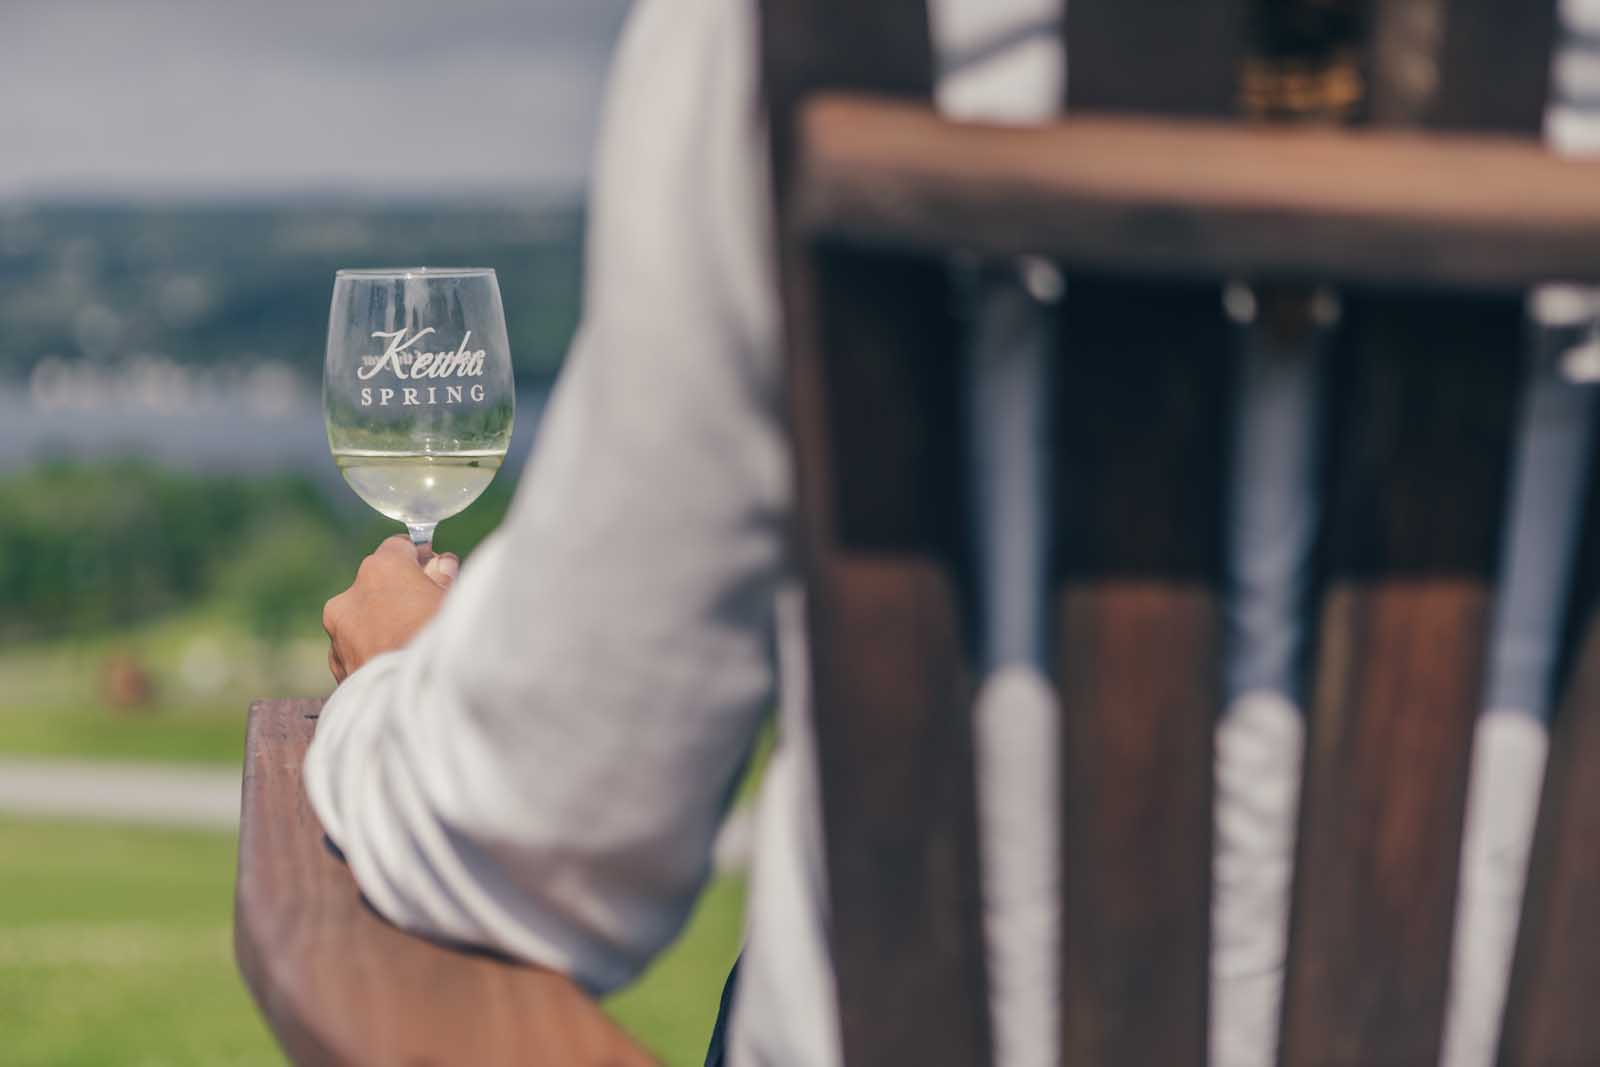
pixel 404 364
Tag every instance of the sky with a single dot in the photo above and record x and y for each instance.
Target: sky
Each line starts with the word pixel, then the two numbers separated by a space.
pixel 222 99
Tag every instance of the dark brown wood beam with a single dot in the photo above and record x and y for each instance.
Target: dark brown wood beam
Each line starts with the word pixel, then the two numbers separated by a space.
pixel 1184 198
pixel 339 985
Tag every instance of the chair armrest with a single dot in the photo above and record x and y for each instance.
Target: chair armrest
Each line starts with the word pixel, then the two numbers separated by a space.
pixel 339 985
pixel 1163 197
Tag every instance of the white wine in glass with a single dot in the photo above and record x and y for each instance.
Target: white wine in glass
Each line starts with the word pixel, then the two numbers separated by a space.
pixel 417 389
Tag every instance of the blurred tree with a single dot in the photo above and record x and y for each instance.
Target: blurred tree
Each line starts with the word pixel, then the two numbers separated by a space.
pixel 87 547
pixel 278 577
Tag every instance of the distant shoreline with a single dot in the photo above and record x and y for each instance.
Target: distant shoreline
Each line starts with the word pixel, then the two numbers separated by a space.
pixel 227 438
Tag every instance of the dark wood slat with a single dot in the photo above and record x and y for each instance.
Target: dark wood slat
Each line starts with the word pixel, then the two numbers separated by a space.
pixel 874 423
pixel 1550 1019
pixel 1422 428
pixel 1402 60
pixel 1495 66
pixel 809 46
pixel 876 419
pixel 1481 65
pixel 1169 57
pixel 874 405
pixel 1286 203
pixel 1141 417
pixel 1140 414
pixel 1416 516
pixel 893 406
pixel 339 985
pixel 901 847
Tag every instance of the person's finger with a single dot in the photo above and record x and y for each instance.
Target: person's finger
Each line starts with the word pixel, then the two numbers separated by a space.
pixel 335 668
pixel 399 547
pixel 442 569
pixel 330 616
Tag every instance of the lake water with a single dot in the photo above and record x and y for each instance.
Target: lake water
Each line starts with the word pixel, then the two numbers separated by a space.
pixel 216 433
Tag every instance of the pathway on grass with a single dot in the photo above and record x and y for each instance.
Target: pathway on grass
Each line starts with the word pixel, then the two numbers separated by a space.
pixel 123 792
pixel 208 798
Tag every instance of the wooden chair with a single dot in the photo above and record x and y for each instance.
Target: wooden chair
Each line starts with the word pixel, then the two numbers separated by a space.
pixel 1433 213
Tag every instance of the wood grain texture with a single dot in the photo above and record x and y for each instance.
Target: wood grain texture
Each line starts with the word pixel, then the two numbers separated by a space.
pixel 1154 196
pixel 1429 392
pixel 339 986
pixel 1426 389
pixel 898 802
pixel 1416 516
pixel 875 401
pixel 879 539
pixel 1550 1019
pixel 1139 465
pixel 874 407
pixel 1141 390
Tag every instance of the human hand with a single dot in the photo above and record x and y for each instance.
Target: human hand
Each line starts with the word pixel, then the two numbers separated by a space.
pixel 396 591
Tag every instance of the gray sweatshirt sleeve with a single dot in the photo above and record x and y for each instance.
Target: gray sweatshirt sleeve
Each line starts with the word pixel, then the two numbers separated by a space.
pixel 543 770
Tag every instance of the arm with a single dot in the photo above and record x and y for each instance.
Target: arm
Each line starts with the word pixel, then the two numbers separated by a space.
pixel 543 768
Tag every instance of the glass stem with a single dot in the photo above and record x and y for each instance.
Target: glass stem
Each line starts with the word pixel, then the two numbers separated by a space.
pixel 421 533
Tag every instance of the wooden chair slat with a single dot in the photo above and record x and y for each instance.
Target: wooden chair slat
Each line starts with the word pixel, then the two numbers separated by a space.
pixel 1481 65
pixel 898 804
pixel 1549 1016
pixel 1282 202
pixel 1141 419
pixel 874 400
pixel 1421 452
pixel 338 985
pixel 1142 383
pixel 876 425
pixel 809 46
pixel 877 434
pixel 1421 435
pixel 1160 57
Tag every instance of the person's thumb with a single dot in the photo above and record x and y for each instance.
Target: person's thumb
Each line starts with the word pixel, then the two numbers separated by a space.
pixel 442 569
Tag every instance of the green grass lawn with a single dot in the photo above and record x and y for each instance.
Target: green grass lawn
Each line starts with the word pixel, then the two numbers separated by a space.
pixel 116 942
pixel 203 670
pixel 672 1008
pixel 116 951
pixel 164 735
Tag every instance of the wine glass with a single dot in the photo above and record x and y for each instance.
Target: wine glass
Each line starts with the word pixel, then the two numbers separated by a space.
pixel 417 389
